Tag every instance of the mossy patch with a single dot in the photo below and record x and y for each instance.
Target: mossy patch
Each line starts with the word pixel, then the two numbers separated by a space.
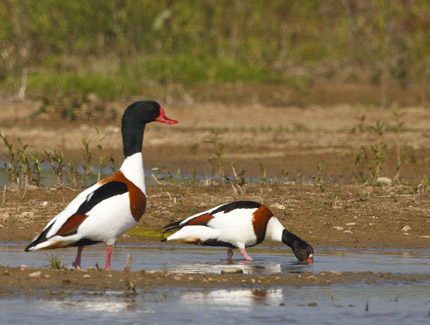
pixel 145 233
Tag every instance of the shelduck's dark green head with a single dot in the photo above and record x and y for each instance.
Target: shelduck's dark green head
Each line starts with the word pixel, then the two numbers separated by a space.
pixel 145 112
pixel 135 117
pixel 301 249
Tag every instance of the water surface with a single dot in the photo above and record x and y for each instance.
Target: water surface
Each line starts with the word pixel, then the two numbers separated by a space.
pixel 196 259
pixel 337 304
pixel 408 304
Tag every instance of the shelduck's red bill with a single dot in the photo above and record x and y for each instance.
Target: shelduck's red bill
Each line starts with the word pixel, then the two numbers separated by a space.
pixel 310 259
pixel 163 118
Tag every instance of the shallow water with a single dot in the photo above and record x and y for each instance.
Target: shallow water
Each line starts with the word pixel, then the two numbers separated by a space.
pixel 408 304
pixel 195 259
pixel 337 304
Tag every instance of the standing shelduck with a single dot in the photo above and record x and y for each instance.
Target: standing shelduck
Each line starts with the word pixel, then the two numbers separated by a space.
pixel 238 224
pixel 113 205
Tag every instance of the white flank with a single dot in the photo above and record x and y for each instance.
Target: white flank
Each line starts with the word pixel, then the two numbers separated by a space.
pixel 105 222
pixel 191 233
pixel 234 227
pixel 59 220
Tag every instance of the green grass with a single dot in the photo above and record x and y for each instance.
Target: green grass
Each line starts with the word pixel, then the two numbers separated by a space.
pixel 140 76
pixel 124 48
pixel 69 84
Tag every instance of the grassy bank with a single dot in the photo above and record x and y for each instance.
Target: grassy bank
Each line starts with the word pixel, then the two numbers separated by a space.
pixel 117 49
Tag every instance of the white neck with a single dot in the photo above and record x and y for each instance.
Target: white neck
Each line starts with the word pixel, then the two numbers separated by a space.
pixel 274 230
pixel 132 168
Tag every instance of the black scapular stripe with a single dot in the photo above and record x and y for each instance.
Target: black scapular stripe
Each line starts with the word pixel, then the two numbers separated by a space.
pixel 236 205
pixel 102 193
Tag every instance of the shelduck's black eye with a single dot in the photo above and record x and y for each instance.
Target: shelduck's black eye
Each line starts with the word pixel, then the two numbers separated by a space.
pixel 303 252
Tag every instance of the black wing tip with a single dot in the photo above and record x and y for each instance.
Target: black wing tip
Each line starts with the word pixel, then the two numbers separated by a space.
pixel 164 239
pixel 172 224
pixel 30 246
pixel 171 229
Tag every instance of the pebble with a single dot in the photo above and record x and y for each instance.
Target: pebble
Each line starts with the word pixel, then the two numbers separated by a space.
pixel 312 304
pixel 425 236
pixel 338 228
pixel 151 272
pixel 347 231
pixel 158 272
pixel 335 272
pixel 278 206
pixel 177 278
pixel 406 228
pixel 87 276
pixel 45 204
pixel 36 274
pixel 232 270
pixel 384 180
pixel 350 224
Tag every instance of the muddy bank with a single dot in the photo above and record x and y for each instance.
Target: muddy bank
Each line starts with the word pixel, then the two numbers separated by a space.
pixel 26 281
pixel 260 139
pixel 339 215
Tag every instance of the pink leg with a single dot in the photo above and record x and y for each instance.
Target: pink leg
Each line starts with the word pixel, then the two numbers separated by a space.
pixel 77 262
pixel 108 255
pixel 245 255
pixel 229 253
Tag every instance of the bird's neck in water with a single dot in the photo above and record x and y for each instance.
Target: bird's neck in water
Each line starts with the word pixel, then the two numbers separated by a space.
pixel 289 238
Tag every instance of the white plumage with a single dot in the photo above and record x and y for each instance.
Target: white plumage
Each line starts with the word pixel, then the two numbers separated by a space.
pixel 238 224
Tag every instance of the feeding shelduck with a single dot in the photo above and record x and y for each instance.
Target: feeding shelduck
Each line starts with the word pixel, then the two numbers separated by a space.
pixel 237 225
pixel 113 205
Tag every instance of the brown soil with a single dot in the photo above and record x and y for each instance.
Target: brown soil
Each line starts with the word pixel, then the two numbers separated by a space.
pixel 42 282
pixel 370 216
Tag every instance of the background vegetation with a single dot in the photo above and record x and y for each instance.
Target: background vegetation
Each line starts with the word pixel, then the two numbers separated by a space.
pixel 122 48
